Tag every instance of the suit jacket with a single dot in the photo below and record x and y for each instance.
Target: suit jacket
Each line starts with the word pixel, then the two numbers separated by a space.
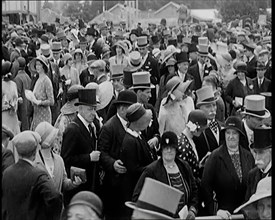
pixel 7 158
pixel 109 143
pixel 195 72
pixel 76 147
pixel 85 77
pixel 220 176
pixel 29 193
pixel 265 86
pixel 251 68
pixel 254 176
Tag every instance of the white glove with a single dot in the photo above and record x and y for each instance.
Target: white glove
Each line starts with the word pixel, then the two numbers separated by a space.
pixel 95 155
pixel 68 82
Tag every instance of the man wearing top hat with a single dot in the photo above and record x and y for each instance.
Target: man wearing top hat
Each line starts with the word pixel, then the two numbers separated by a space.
pixel 87 75
pixel 260 82
pixel 109 143
pixel 91 36
pixel 251 60
pixel 150 64
pixel 82 30
pixel 264 58
pixel 79 146
pixel 56 50
pixel 262 151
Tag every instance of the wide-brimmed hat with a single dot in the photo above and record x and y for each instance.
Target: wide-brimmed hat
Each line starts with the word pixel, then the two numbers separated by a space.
pixel 127 97
pixel 262 138
pixel 26 142
pixel 72 98
pixel 249 46
pixel 89 199
pixel 122 45
pixel 47 132
pixel 87 97
pixel 263 190
pixel 159 205
pixel 233 122
pixel 66 57
pixel 170 62
pixel 255 106
pixel 241 67
pixel 116 71
pixel 182 57
pixel 205 95
pixel 142 41
pixel 105 94
pixel 170 51
pixel 40 58
pixel 141 80
pixel 61 35
pixel 173 83
pixel 7 131
pixel 56 46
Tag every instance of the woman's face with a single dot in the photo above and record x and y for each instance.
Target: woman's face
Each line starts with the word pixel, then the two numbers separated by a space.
pixel 232 137
pixel 118 50
pixel 78 56
pixel 70 62
pixel 168 153
pixel 241 75
pixel 39 67
pixel 80 212
pixel 171 69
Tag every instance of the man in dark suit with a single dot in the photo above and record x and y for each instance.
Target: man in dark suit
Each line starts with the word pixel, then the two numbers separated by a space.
pixel 251 60
pixel 109 143
pixel 79 147
pixel 7 155
pixel 261 83
pixel 27 191
pixel 262 150
pixel 264 57
pixel 150 64
pixel 87 75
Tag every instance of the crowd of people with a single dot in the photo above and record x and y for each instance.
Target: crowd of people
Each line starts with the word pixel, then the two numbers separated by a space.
pixel 97 118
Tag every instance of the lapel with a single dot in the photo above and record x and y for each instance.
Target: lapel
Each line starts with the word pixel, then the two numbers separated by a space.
pixel 211 138
pixel 82 128
pixel 119 127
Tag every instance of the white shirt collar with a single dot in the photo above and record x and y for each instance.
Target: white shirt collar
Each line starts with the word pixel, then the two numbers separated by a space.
pixel 29 161
pixel 86 124
pixel 123 122
pixel 249 132
pixel 267 167
pixel 250 58
pixel 133 133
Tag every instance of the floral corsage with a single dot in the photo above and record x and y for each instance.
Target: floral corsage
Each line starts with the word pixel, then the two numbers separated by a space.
pixel 193 126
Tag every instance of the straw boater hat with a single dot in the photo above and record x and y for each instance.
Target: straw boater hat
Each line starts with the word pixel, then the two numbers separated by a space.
pixel 116 71
pixel 156 205
pixel 72 98
pixel 135 59
pixel 255 106
pixel 263 190
pixel 141 80
pixel 56 47
pixel 205 95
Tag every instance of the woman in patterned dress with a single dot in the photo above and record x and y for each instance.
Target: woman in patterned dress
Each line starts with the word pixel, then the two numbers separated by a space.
pixel 171 170
pixel 43 92
pixel 196 124
pixel 226 172
pixel 121 52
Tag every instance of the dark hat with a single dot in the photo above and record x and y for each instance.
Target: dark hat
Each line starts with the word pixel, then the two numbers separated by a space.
pixel 249 46
pixel 91 58
pixel 172 41
pixel 198 117
pixel 6 68
pixel 155 39
pixel 126 97
pixel 91 32
pixel 22 62
pixel 195 39
pixel 89 199
pixel 7 131
pixel 136 111
pixel 81 24
pixel 135 32
pixel 127 76
pixel 169 139
pixel 179 38
pixel 182 57
pixel 261 66
pixel 45 38
pixel 192 48
pixel 233 122
pixel 18 41
pixel 241 67
pixel 57 20
pixel 262 138
pixel 87 97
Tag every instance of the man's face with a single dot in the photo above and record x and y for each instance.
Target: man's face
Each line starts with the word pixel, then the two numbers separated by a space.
pixel 264 208
pixel 210 110
pixel 193 55
pixel 262 157
pixel 260 73
pixel 183 67
pixel 87 112
pixel 144 96
pixel 118 84
pixel 254 122
pixel 56 55
pixel 143 51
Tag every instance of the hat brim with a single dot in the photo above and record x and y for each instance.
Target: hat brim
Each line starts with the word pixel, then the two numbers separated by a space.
pixel 143 87
pixel 158 215
pixel 203 54
pixel 84 103
pixel 69 107
pixel 206 102
pixel 123 102
pixel 167 57
pixel 266 115
pixel 106 91
pixel 33 61
pixel 232 127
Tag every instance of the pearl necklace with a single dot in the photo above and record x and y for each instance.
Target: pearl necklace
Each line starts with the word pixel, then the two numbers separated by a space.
pixel 170 166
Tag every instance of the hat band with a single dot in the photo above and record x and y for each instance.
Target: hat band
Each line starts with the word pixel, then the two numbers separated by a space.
pixel 209 99
pixel 142 84
pixel 204 53
pixel 151 207
pixel 260 113
pixel 143 45
pixel 133 64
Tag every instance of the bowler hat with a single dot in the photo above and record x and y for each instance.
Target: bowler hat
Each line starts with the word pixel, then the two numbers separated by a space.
pixel 18 41
pixel 45 38
pixel 127 97
pixel 89 199
pixel 136 111
pixel 233 122
pixel 255 106
pixel 168 139
pixel 26 142
pixel 262 138
pixel 158 205
pixel 6 130
pixel 87 97
pixel 47 132
pixel 172 41
pixel 141 80
pixel 205 95
pixel 91 32
pixel 182 57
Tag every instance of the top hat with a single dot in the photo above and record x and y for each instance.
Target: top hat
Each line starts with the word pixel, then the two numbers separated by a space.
pixel 91 32
pixel 126 97
pixel 203 50
pixel 179 39
pixel 45 50
pixel 182 57
pixel 233 122
pixel 141 80
pixel 116 71
pixel 166 33
pixel 255 106
pixel 87 97
pixel 127 76
pixel 89 199
pixel 169 139
pixel 161 205
pixel 142 41
pixel 186 40
pixel 56 46
pixel 135 59
pixel 262 138
pixel 135 32
pixel 263 190
pixel 205 95
pixel 81 24
pixel 202 41
pixel 91 58
pixel 26 142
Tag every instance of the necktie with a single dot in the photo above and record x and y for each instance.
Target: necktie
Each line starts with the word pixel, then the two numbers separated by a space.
pixel 213 125
pixel 91 131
